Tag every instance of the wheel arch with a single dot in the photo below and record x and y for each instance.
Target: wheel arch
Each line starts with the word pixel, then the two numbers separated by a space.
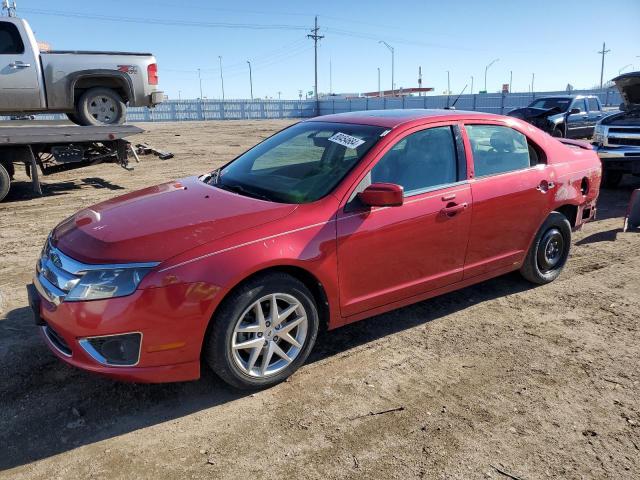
pixel 570 211
pixel 86 79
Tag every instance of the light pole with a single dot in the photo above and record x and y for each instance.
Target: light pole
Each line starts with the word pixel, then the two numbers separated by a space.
pixel 179 94
pixel 620 71
pixel 379 91
pixel 485 72
pixel 250 79
pixel 392 50
pixel 200 79
pixel 510 81
pixel 221 77
pixel 471 84
pixel 448 84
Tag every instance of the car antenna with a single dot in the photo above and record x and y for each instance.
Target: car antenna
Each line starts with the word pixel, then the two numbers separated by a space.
pixel 453 107
pixel 10 7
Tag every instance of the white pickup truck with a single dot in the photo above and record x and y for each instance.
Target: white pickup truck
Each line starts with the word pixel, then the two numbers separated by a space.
pixel 92 88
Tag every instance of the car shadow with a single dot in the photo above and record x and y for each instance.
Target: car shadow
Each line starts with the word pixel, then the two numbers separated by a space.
pixel 49 407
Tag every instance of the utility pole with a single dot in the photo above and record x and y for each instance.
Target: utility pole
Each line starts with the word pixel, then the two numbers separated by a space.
pixel 250 79
pixel 392 50
pixel 10 7
pixel 471 84
pixel 510 81
pixel 315 37
pixel 379 90
pixel 485 72
pixel 448 84
pixel 200 79
pixel 279 95
pixel 179 94
pixel 533 78
pixel 419 80
pixel 603 52
pixel 330 80
pixel 221 77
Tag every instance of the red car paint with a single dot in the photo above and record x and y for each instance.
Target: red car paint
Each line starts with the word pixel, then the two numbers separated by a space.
pixel 209 240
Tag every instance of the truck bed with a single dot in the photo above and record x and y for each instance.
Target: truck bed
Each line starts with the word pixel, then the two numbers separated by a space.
pixel 28 133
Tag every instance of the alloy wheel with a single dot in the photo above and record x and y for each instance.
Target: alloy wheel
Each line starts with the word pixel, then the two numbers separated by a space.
pixel 103 109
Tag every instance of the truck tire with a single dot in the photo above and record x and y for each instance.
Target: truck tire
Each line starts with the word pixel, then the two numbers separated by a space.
pixel 73 118
pixel 557 132
pixel 100 106
pixel 5 182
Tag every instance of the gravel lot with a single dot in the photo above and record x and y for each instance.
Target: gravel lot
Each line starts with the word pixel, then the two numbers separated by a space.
pixel 534 382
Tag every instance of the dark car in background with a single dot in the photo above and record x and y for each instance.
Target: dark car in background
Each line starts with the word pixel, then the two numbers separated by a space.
pixel 569 116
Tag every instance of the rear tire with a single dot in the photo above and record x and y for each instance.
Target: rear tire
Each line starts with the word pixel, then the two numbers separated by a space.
pixel 100 106
pixel 73 118
pixel 5 182
pixel 549 252
pixel 246 317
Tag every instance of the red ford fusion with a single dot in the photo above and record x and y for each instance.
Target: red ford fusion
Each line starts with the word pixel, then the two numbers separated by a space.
pixel 327 222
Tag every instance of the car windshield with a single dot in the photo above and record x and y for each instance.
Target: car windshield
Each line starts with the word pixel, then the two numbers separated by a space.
pixel 549 103
pixel 300 164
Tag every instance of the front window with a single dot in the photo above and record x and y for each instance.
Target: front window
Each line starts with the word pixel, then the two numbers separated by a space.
pixel 300 164
pixel 10 41
pixel 562 104
pixel 579 105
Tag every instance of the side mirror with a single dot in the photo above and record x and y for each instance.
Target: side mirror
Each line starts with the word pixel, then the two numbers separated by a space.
pixel 382 195
pixel 574 111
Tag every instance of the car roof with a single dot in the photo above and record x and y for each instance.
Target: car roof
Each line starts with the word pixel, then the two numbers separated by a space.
pixel 569 97
pixel 393 118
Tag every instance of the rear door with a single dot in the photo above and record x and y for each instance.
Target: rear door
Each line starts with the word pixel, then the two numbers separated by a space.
pixel 512 193
pixel 391 253
pixel 577 123
pixel 19 72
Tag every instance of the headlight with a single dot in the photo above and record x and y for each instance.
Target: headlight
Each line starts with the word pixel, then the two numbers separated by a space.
pixel 108 283
pixel 599 133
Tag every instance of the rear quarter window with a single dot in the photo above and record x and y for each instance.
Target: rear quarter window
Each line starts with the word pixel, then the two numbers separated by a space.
pixel 10 40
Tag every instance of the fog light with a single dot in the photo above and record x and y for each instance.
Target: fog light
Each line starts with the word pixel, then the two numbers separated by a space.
pixel 116 350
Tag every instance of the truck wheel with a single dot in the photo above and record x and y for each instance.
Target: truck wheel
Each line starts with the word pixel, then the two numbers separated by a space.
pixel 262 332
pixel 611 178
pixel 73 118
pixel 100 106
pixel 549 251
pixel 5 182
pixel 557 132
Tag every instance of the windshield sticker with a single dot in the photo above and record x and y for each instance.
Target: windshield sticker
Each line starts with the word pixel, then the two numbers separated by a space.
pixel 346 140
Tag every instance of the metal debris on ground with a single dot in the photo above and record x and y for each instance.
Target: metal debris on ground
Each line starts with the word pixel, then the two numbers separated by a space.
pixel 145 149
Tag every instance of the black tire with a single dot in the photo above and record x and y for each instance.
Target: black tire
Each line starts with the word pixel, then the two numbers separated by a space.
pixel 73 118
pixel 611 178
pixel 218 351
pixel 100 106
pixel 557 132
pixel 549 252
pixel 5 182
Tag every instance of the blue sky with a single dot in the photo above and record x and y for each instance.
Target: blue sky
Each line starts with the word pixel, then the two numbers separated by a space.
pixel 556 40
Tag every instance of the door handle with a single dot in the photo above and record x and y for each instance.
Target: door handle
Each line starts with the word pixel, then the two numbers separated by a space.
pixel 451 210
pixel 19 65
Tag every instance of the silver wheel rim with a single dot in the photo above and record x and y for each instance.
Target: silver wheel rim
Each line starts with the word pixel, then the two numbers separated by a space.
pixel 269 335
pixel 103 108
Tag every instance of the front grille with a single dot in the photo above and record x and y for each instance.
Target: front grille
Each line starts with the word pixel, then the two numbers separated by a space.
pixel 56 339
pixel 635 130
pixel 624 141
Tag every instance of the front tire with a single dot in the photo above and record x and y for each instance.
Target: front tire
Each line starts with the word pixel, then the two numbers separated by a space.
pixel 557 132
pixel 549 252
pixel 100 106
pixel 263 332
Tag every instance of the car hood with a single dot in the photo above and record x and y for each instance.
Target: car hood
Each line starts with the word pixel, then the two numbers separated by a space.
pixel 160 222
pixel 528 113
pixel 628 84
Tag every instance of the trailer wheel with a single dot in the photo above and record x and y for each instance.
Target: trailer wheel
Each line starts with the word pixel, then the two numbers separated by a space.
pixel 100 106
pixel 5 182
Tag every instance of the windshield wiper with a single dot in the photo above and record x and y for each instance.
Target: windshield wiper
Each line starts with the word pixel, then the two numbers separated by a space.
pixel 236 188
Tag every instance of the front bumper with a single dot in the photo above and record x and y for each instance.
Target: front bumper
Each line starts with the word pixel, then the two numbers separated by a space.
pixel 172 321
pixel 618 153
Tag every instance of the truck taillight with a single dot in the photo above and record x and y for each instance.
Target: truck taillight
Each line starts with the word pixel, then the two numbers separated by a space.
pixel 152 73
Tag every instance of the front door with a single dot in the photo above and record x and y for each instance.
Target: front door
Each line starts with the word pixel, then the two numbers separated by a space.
pixel 577 123
pixel 513 192
pixel 392 253
pixel 19 80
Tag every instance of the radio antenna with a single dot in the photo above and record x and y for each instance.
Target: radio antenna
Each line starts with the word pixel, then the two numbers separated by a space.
pixel 9 7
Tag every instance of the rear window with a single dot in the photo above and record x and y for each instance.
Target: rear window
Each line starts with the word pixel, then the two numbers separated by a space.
pixel 499 149
pixel 593 104
pixel 10 41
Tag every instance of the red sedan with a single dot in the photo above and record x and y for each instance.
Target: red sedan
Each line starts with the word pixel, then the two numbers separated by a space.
pixel 327 222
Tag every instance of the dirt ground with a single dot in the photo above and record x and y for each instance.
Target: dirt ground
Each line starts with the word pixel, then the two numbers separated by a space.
pixel 499 377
